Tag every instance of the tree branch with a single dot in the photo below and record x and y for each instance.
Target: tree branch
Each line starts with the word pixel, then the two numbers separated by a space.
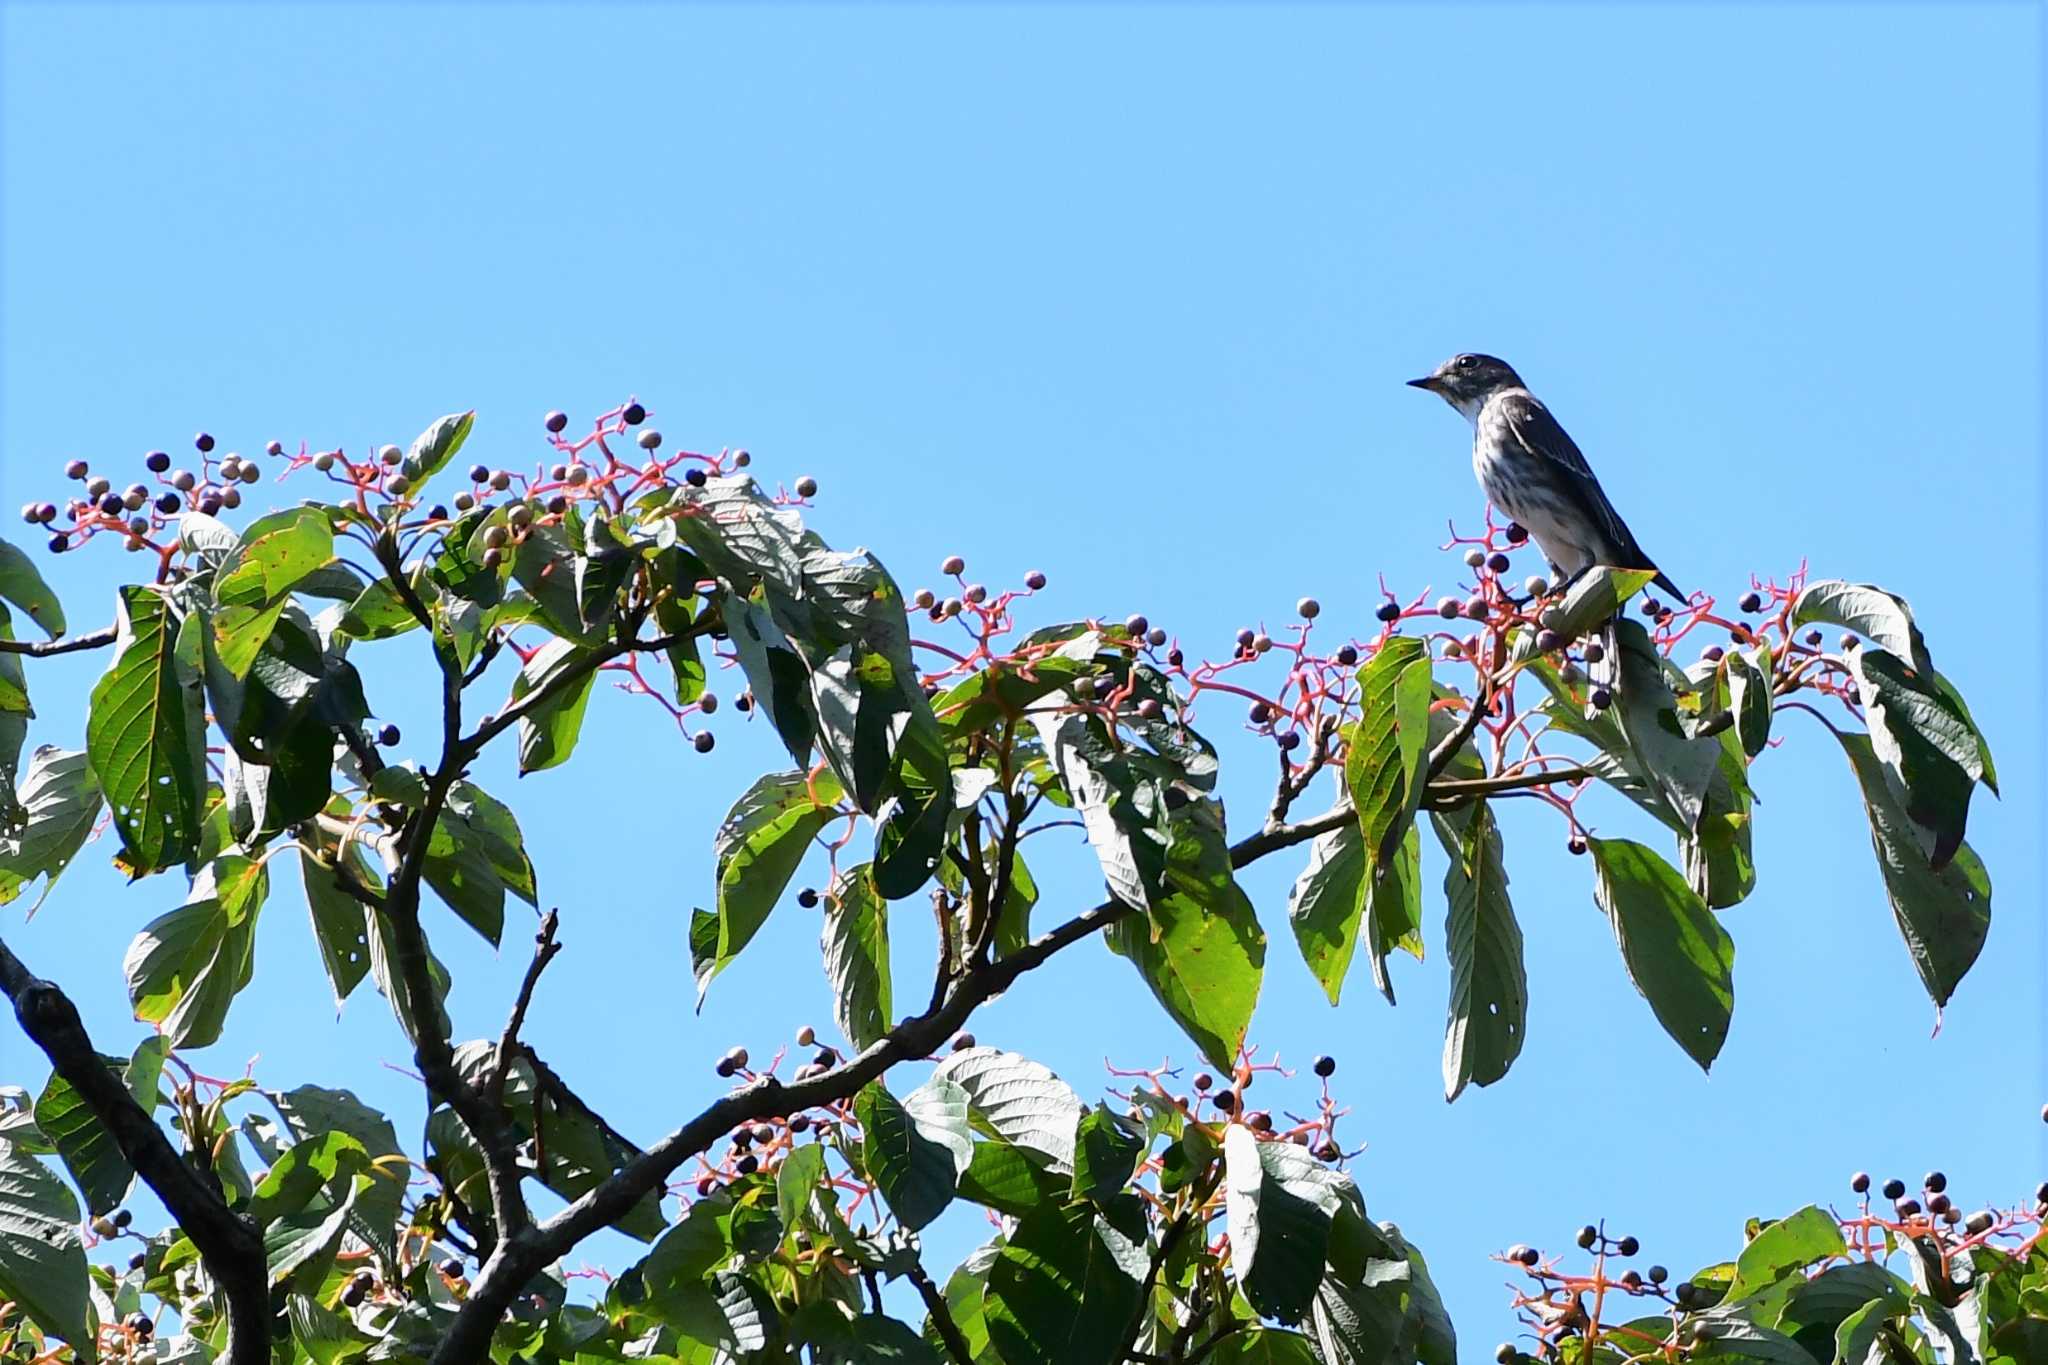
pixel 517 1258
pixel 231 1246
pixel 43 649
pixel 941 1314
pixel 544 950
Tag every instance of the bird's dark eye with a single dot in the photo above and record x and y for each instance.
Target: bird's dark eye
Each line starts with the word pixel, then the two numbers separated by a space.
pixel 1465 362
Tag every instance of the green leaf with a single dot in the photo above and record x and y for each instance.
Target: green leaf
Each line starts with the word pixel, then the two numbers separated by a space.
pixel 1105 1154
pixel 914 1149
pixel 312 1110
pixel 185 967
pixel 86 1145
pixel 384 972
pixel 476 855
pixel 1388 747
pixel 1327 904
pixel 42 1258
pixel 1927 747
pixel 380 613
pixel 1279 1203
pixel 1678 765
pixel 1063 1287
pixel 1831 1297
pixel 1393 910
pixel 1593 599
pixel 1265 1346
pixel 775 674
pixel 1009 1179
pixel 1204 965
pixel 1749 686
pixel 274 554
pixel 57 805
pixel 758 847
pixel 547 734
pixel 144 735
pixel 22 584
pixel 305 1169
pixel 1868 610
pixel 1018 1100
pixel 338 926
pixel 1122 807
pixel 1489 1001
pixel 1676 952
pixel 433 448
pixel 1944 916
pixel 1791 1244
pixel 547 564
pixel 856 945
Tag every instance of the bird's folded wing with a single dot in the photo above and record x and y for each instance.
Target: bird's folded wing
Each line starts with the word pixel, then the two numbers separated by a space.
pixel 1537 432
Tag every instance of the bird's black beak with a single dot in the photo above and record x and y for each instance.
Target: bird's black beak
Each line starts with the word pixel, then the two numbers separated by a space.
pixel 1430 382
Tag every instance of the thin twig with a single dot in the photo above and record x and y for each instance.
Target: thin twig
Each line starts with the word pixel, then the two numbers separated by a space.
pixel 43 649
pixel 545 946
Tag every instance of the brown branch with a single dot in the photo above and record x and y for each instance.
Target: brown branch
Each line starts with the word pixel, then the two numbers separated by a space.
pixel 1446 795
pixel 941 1315
pixel 518 1257
pixel 230 1245
pixel 43 649
pixel 545 946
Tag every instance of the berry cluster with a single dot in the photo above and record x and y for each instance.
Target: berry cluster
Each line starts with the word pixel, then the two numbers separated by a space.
pixel 139 512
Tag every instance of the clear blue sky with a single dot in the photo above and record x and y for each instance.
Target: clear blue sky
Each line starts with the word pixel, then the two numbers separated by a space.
pixel 1126 294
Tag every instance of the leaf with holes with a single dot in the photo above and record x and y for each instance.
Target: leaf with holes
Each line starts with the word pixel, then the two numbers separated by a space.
pixel 1279 1203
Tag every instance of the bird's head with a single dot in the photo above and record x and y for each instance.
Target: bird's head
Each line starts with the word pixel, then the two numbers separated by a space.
pixel 1467 381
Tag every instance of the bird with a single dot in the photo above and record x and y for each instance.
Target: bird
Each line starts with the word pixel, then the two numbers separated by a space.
pixel 1531 470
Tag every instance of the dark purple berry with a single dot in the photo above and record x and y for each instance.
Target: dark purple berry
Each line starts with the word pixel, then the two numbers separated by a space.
pixel 1628 1246
pixel 555 421
pixel 1388 610
pixel 1658 1274
pixel 1325 1067
pixel 634 414
pixel 1935 1182
pixel 1516 533
pixel 204 442
pixel 1203 1080
pixel 388 736
pixel 479 474
pixel 1497 562
pixel 157 461
pixel 1347 655
pixel 1860 1182
pixel 1136 624
pixel 695 477
pixel 962 1041
pixel 210 505
pixel 703 741
pixel 113 505
pixel 1587 1236
pixel 452 1268
pixel 274 448
pixel 1751 601
pixel 1895 1189
pixel 76 469
pixel 1034 580
pixel 808 897
pixel 1602 698
pixel 59 544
